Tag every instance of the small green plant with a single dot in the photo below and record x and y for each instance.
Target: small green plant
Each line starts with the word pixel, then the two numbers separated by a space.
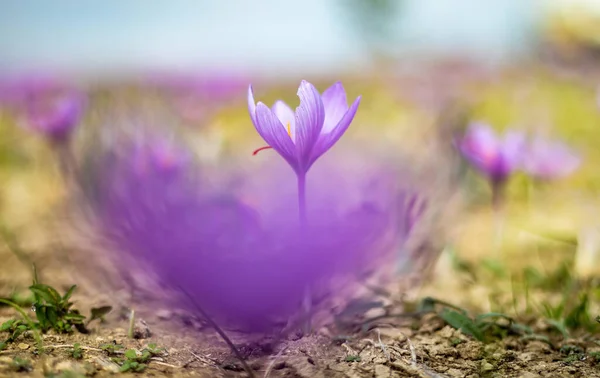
pixel 154 350
pixel 595 356
pixel 352 358
pixel 484 327
pixel 77 352
pixel 21 365
pixel 111 348
pixel 134 362
pixel 572 353
pixel 17 327
pixel 98 313
pixel 54 311
pixel 14 328
pixel 456 341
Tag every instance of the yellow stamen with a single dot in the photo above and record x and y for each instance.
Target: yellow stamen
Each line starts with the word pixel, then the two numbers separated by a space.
pixel 289 129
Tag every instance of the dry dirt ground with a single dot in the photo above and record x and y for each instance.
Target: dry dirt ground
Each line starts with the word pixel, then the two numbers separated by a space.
pixel 434 350
pixel 395 347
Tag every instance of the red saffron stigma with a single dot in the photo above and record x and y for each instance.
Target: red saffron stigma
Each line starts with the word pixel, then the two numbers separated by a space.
pixel 260 149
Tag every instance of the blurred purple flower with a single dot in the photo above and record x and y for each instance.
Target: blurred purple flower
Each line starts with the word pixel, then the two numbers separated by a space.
pixel 495 157
pixel 45 105
pixel 239 253
pixel 301 137
pixel 547 159
pixel 57 115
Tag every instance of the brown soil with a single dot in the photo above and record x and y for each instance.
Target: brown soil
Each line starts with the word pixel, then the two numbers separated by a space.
pixel 421 347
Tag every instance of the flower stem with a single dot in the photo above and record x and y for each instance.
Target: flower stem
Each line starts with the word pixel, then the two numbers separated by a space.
pixel 307 298
pixel 499 217
pixel 302 201
pixel 66 159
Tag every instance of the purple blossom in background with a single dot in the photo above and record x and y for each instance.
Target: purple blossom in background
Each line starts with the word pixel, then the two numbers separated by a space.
pixel 45 105
pixel 547 159
pixel 301 137
pixel 494 156
pixel 57 115
pixel 239 252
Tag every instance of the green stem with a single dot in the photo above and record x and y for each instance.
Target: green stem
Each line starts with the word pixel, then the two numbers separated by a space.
pixel 498 203
pixel 131 324
pixel 66 159
pixel 30 323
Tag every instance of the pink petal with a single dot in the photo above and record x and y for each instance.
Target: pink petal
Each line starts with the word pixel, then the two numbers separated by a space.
pixel 310 116
pixel 336 105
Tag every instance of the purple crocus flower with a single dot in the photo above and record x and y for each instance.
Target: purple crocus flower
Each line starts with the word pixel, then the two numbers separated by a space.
pixel 56 115
pixel 301 137
pixel 495 157
pixel 239 253
pixel 45 105
pixel 547 159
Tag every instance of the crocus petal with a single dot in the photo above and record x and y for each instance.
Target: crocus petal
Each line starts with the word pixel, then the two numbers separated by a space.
pixel 274 133
pixel 513 149
pixel 326 141
pixel 56 117
pixel 550 160
pixel 251 105
pixel 286 116
pixel 336 105
pixel 480 146
pixel 310 116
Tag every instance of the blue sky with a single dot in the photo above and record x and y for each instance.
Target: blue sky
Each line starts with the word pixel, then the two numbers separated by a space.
pixel 263 35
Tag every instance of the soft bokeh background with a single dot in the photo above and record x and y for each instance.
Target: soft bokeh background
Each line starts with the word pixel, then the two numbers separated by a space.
pixel 265 36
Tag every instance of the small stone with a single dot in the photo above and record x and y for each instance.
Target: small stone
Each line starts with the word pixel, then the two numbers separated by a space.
pixel 141 330
pixel 486 366
pixel 374 313
pixel 538 346
pixel 164 314
pixel 5 360
pixel 23 346
pixel 446 332
pixel 527 356
pixel 469 350
pixel 106 365
pixel 529 374
pixel 400 333
pixel 455 373
pixel 68 366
